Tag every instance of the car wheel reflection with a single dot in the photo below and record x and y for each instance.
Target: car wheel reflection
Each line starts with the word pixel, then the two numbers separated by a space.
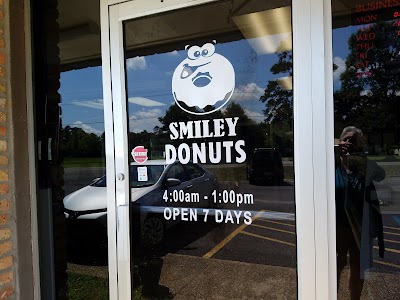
pixel 153 230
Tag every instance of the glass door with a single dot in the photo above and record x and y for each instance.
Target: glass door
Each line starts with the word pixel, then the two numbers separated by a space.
pixel 367 138
pixel 205 140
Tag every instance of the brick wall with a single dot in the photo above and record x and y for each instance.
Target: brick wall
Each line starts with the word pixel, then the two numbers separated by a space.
pixel 7 285
pixel 7 270
pixel 16 260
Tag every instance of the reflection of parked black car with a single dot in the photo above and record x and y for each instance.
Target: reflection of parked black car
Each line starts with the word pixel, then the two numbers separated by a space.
pixel 265 166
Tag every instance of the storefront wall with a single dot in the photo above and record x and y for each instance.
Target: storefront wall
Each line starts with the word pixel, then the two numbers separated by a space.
pixel 321 200
pixel 272 239
pixel 310 82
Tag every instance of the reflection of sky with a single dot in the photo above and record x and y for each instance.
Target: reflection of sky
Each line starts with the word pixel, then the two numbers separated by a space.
pixel 154 82
pixel 82 99
pixel 340 38
pixel 149 83
pixel 149 87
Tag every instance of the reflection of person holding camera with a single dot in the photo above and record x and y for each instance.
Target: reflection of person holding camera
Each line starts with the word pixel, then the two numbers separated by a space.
pixel 358 218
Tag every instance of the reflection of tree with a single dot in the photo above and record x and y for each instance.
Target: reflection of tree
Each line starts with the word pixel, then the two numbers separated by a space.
pixel 78 143
pixel 175 114
pixel 368 96
pixel 252 133
pixel 152 141
pixel 278 100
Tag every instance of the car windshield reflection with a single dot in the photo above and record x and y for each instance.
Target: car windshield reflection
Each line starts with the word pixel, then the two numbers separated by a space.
pixel 141 176
pixel 145 175
pixel 101 182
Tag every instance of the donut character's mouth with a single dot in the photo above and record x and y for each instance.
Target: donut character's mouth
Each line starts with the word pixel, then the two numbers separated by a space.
pixel 189 70
pixel 202 79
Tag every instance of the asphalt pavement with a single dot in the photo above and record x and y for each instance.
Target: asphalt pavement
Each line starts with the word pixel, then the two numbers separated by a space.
pixel 243 261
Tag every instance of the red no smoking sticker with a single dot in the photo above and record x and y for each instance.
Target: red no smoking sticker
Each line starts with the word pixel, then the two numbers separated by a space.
pixel 139 154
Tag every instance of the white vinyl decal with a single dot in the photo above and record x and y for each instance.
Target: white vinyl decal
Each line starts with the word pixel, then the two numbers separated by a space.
pixel 142 174
pixel 204 78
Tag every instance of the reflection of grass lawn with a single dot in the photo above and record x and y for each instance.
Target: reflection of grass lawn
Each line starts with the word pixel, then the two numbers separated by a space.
pixel 82 286
pixel 376 157
pixel 70 162
pixel 384 157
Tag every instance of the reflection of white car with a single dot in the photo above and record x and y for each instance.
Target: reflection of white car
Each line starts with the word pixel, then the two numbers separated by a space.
pixel 151 184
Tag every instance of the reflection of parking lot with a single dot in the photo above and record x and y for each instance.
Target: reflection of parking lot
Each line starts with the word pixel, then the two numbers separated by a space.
pixel 265 241
pixel 198 238
pixel 268 240
pixel 391 231
pixel 266 197
pixel 267 246
pixel 389 194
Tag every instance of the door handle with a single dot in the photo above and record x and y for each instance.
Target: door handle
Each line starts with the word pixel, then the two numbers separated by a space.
pixel 189 186
pixel 207 179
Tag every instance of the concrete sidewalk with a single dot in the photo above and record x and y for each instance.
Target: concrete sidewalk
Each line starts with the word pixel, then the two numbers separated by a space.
pixel 197 278
pixel 186 277
pixel 190 277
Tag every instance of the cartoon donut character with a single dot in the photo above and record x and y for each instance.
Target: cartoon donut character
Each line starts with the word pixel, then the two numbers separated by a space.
pixel 203 78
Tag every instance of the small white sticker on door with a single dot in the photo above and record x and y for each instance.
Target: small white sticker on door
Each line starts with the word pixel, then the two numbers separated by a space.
pixel 142 174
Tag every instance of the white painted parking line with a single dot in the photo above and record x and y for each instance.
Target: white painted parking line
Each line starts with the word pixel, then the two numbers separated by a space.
pixel 267 238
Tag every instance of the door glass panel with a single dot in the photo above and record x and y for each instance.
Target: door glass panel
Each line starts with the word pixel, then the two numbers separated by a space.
pixel 210 110
pixel 367 142
pixel 82 147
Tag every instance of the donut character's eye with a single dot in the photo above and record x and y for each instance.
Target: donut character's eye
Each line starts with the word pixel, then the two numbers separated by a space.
pixel 194 52
pixel 207 50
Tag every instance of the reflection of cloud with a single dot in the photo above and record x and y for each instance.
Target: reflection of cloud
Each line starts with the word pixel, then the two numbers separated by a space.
pixel 255 116
pixel 144 101
pixel 367 93
pixel 86 128
pixel 173 53
pixel 97 104
pixel 341 67
pixel 136 63
pixel 144 120
pixel 250 91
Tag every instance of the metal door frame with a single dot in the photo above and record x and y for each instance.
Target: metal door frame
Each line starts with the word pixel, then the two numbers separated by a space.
pixel 313 141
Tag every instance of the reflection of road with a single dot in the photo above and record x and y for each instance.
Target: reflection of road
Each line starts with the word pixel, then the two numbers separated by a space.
pixel 277 198
pixel 389 193
pixel 76 178
pixel 264 241
pixel 391 230
pixel 269 240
